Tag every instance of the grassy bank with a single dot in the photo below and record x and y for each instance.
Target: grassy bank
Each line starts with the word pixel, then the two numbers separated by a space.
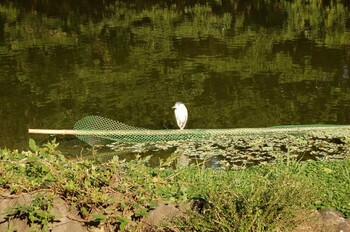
pixel 121 194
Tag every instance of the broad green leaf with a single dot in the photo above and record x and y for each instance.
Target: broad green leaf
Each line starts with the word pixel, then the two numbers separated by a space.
pixel 32 145
pixel 99 217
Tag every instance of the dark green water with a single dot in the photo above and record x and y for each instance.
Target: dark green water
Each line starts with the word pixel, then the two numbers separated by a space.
pixel 234 63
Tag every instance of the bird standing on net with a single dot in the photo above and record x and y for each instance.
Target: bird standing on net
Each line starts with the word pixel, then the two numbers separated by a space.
pixel 181 114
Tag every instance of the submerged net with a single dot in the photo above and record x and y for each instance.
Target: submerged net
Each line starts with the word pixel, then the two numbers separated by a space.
pixel 93 129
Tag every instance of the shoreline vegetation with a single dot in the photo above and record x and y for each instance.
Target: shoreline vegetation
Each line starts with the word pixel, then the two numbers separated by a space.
pixel 45 191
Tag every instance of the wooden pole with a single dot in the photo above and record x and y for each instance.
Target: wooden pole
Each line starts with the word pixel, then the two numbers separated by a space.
pixel 52 132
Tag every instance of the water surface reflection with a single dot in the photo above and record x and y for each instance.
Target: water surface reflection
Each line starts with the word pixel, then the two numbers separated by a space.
pixel 235 64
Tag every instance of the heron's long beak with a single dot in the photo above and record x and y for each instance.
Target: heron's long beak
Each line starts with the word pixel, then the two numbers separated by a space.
pixel 174 107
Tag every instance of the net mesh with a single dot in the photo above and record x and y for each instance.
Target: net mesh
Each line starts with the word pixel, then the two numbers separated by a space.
pixel 94 129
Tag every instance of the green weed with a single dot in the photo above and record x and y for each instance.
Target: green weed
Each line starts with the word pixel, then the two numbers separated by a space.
pixel 38 213
pixel 119 193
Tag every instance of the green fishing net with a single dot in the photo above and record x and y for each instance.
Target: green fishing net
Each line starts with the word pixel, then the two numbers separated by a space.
pixel 94 129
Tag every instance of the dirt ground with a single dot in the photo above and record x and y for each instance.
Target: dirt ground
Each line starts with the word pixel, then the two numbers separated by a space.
pixel 324 221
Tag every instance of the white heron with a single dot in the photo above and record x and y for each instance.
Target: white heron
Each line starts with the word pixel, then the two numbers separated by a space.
pixel 181 114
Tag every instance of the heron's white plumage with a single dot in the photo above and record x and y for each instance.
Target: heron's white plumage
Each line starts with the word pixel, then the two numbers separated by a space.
pixel 181 114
